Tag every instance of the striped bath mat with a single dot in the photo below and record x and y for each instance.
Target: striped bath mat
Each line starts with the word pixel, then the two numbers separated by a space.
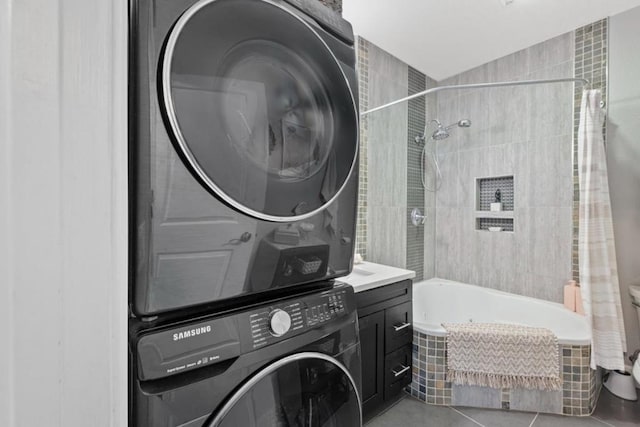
pixel 502 356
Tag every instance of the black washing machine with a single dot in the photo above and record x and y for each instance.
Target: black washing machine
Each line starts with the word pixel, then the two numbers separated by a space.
pixel 294 362
pixel 244 150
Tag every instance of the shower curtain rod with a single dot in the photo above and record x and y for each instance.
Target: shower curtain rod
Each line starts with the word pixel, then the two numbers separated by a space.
pixel 584 82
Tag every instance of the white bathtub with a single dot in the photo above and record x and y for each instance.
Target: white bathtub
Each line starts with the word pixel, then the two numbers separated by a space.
pixel 437 301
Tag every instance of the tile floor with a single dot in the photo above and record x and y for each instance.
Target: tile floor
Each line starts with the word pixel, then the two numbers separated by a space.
pixel 409 412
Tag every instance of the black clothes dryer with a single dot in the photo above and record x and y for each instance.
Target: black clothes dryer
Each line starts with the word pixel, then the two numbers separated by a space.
pixel 244 149
pixel 295 363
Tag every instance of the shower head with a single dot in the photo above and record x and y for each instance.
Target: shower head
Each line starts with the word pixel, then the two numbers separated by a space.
pixel 442 132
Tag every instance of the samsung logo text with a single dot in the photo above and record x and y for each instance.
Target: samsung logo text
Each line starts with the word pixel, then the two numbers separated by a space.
pixel 191 333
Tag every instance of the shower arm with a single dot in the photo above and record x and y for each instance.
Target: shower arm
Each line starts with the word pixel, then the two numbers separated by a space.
pixel 584 82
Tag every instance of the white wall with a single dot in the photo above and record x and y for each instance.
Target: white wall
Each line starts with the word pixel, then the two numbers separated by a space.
pixel 623 151
pixel 63 215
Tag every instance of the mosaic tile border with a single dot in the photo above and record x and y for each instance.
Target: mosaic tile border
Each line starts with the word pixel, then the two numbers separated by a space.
pixel 590 62
pixel 579 391
pixel 415 192
pixel 362 54
pixel 577 398
pixel 429 369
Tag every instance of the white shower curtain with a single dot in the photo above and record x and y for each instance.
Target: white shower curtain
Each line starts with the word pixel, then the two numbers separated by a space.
pixel 597 253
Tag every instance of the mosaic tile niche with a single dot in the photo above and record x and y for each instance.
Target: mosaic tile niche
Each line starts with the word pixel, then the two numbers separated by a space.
pixel 580 384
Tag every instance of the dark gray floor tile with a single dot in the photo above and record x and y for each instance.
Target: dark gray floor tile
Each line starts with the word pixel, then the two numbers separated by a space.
pixel 410 412
pixel 617 412
pixel 545 420
pixel 498 418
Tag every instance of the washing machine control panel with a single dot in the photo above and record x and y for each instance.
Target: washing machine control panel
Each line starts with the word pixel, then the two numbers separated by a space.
pixel 185 346
pixel 280 321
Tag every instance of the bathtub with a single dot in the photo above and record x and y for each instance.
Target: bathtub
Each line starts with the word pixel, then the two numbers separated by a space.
pixel 437 301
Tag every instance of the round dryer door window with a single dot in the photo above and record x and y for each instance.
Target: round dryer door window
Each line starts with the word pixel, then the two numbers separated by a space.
pixel 259 108
pixel 306 390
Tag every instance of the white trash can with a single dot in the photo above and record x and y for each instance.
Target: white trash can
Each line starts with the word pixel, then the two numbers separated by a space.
pixel 634 291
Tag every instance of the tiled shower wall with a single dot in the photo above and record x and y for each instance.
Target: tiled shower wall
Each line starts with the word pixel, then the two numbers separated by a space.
pixel 591 62
pixel 524 132
pixel 362 52
pixel 390 185
pixel 415 193
pixel 429 196
pixel 386 144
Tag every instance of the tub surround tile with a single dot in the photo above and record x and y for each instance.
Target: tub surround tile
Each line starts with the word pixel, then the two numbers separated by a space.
pixel 510 67
pixel 388 66
pixel 382 90
pixel 415 192
pixel 482 397
pixel 550 102
pixel 536 401
pixel 591 61
pixel 511 102
pixel 547 258
pixel 363 93
pixel 475 75
pixel 447 241
pixel 387 239
pixel 554 187
pixel 542 287
pixel 429 243
pixel 519 135
pixel 473 106
pixel 387 187
pixel 505 399
pixel 386 197
pixel 447 194
pixel 577 396
pixel 447 113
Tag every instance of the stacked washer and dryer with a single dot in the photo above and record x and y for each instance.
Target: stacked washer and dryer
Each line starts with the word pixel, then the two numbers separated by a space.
pixel 244 158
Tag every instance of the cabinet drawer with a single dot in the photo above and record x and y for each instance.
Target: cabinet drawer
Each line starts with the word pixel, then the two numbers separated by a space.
pixel 397 371
pixel 380 298
pixel 398 328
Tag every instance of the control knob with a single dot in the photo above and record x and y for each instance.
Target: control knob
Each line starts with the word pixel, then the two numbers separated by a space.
pixel 279 322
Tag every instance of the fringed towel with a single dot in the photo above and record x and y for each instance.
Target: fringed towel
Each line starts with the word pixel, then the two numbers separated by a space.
pixel 502 356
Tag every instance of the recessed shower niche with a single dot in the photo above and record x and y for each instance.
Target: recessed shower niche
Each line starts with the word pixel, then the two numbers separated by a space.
pixel 494 203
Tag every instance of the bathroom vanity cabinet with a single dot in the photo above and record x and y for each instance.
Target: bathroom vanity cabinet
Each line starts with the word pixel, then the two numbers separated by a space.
pixel 386 333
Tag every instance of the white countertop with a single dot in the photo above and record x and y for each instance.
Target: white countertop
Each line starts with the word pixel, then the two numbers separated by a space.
pixel 369 275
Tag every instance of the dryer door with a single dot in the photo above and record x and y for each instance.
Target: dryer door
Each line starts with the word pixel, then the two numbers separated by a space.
pixel 259 108
pixel 305 390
